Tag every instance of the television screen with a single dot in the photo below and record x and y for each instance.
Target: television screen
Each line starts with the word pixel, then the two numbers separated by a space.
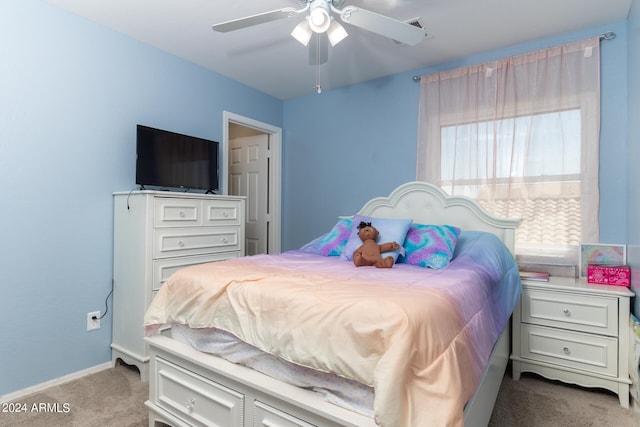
pixel 169 159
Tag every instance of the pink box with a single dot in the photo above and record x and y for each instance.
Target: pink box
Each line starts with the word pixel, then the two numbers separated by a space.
pixel 618 275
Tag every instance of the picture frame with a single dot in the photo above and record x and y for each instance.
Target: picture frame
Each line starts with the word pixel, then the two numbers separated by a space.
pixel 602 254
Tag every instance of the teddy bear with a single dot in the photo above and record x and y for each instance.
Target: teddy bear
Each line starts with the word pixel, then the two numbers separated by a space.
pixel 370 252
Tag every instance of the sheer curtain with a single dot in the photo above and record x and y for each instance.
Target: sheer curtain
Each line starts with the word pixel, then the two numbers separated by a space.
pixel 521 136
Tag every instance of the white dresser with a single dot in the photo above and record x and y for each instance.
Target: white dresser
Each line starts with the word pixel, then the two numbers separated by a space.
pixel 155 234
pixel 569 330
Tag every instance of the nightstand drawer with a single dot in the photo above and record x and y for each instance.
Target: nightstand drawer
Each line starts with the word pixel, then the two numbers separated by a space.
pixel 179 242
pixel 196 399
pixel 585 313
pixel 586 352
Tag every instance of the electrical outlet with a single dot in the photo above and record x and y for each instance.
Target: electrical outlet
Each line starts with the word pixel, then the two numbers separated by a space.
pixel 93 320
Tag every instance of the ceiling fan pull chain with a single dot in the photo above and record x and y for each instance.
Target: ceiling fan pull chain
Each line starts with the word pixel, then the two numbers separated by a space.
pixel 317 86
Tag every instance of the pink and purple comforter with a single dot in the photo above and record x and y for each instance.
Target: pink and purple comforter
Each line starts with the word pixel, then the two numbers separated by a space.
pixel 420 337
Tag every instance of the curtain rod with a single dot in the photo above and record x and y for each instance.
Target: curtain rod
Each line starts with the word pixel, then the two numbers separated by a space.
pixel 609 35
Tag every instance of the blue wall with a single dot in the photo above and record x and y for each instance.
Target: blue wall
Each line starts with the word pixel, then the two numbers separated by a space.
pixel 358 142
pixel 634 150
pixel 71 93
pixel 343 147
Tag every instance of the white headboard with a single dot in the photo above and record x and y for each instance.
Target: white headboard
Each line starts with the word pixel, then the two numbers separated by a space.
pixel 425 203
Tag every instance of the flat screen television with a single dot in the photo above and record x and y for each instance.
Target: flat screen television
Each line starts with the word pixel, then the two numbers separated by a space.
pixel 172 160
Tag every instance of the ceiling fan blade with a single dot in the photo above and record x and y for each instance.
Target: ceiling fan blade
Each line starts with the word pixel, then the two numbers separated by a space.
pixel 260 18
pixel 318 49
pixel 383 25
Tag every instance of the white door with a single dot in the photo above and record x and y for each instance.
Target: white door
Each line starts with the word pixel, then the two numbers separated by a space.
pixel 249 176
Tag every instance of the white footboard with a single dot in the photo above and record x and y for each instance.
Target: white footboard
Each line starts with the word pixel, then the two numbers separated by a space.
pixel 188 387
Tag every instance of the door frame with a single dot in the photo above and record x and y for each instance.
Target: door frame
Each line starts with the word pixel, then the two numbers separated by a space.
pixel 275 170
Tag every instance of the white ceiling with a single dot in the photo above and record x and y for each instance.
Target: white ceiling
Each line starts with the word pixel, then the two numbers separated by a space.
pixel 268 59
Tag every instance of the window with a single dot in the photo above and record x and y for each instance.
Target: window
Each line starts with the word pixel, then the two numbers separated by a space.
pixel 521 157
pixel 520 135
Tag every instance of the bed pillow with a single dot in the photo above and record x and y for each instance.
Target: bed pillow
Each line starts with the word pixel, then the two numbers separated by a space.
pixel 430 245
pixel 390 230
pixel 332 243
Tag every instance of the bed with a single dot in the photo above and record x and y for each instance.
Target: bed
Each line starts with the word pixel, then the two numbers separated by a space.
pixel 305 338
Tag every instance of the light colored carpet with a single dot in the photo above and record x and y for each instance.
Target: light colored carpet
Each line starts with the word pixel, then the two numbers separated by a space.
pixel 536 402
pixel 115 398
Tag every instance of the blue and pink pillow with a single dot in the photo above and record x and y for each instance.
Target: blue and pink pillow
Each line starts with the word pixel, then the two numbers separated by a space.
pixel 332 243
pixel 430 245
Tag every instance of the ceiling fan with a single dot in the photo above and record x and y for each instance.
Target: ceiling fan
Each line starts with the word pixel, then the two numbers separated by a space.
pixel 320 20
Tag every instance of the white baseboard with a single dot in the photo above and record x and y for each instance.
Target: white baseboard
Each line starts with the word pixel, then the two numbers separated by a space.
pixel 54 382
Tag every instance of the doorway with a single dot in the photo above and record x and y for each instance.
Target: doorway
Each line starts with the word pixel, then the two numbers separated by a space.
pixel 252 169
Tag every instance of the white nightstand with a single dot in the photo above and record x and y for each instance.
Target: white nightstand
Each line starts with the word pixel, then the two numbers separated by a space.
pixel 566 329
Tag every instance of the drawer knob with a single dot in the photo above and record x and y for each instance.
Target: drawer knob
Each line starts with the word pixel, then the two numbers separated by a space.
pixel 181 243
pixel 181 214
pixel 566 312
pixel 190 404
pixel 225 240
pixel 225 214
pixel 566 350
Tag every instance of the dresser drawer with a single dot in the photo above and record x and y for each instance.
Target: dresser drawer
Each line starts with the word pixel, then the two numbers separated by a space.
pixel 576 312
pixel 225 212
pixel 165 267
pixel 196 399
pixel 267 416
pixel 171 212
pixel 571 349
pixel 172 242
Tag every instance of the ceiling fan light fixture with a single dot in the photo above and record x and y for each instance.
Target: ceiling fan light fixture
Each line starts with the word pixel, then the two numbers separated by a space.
pixel 336 33
pixel 302 32
pixel 319 20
